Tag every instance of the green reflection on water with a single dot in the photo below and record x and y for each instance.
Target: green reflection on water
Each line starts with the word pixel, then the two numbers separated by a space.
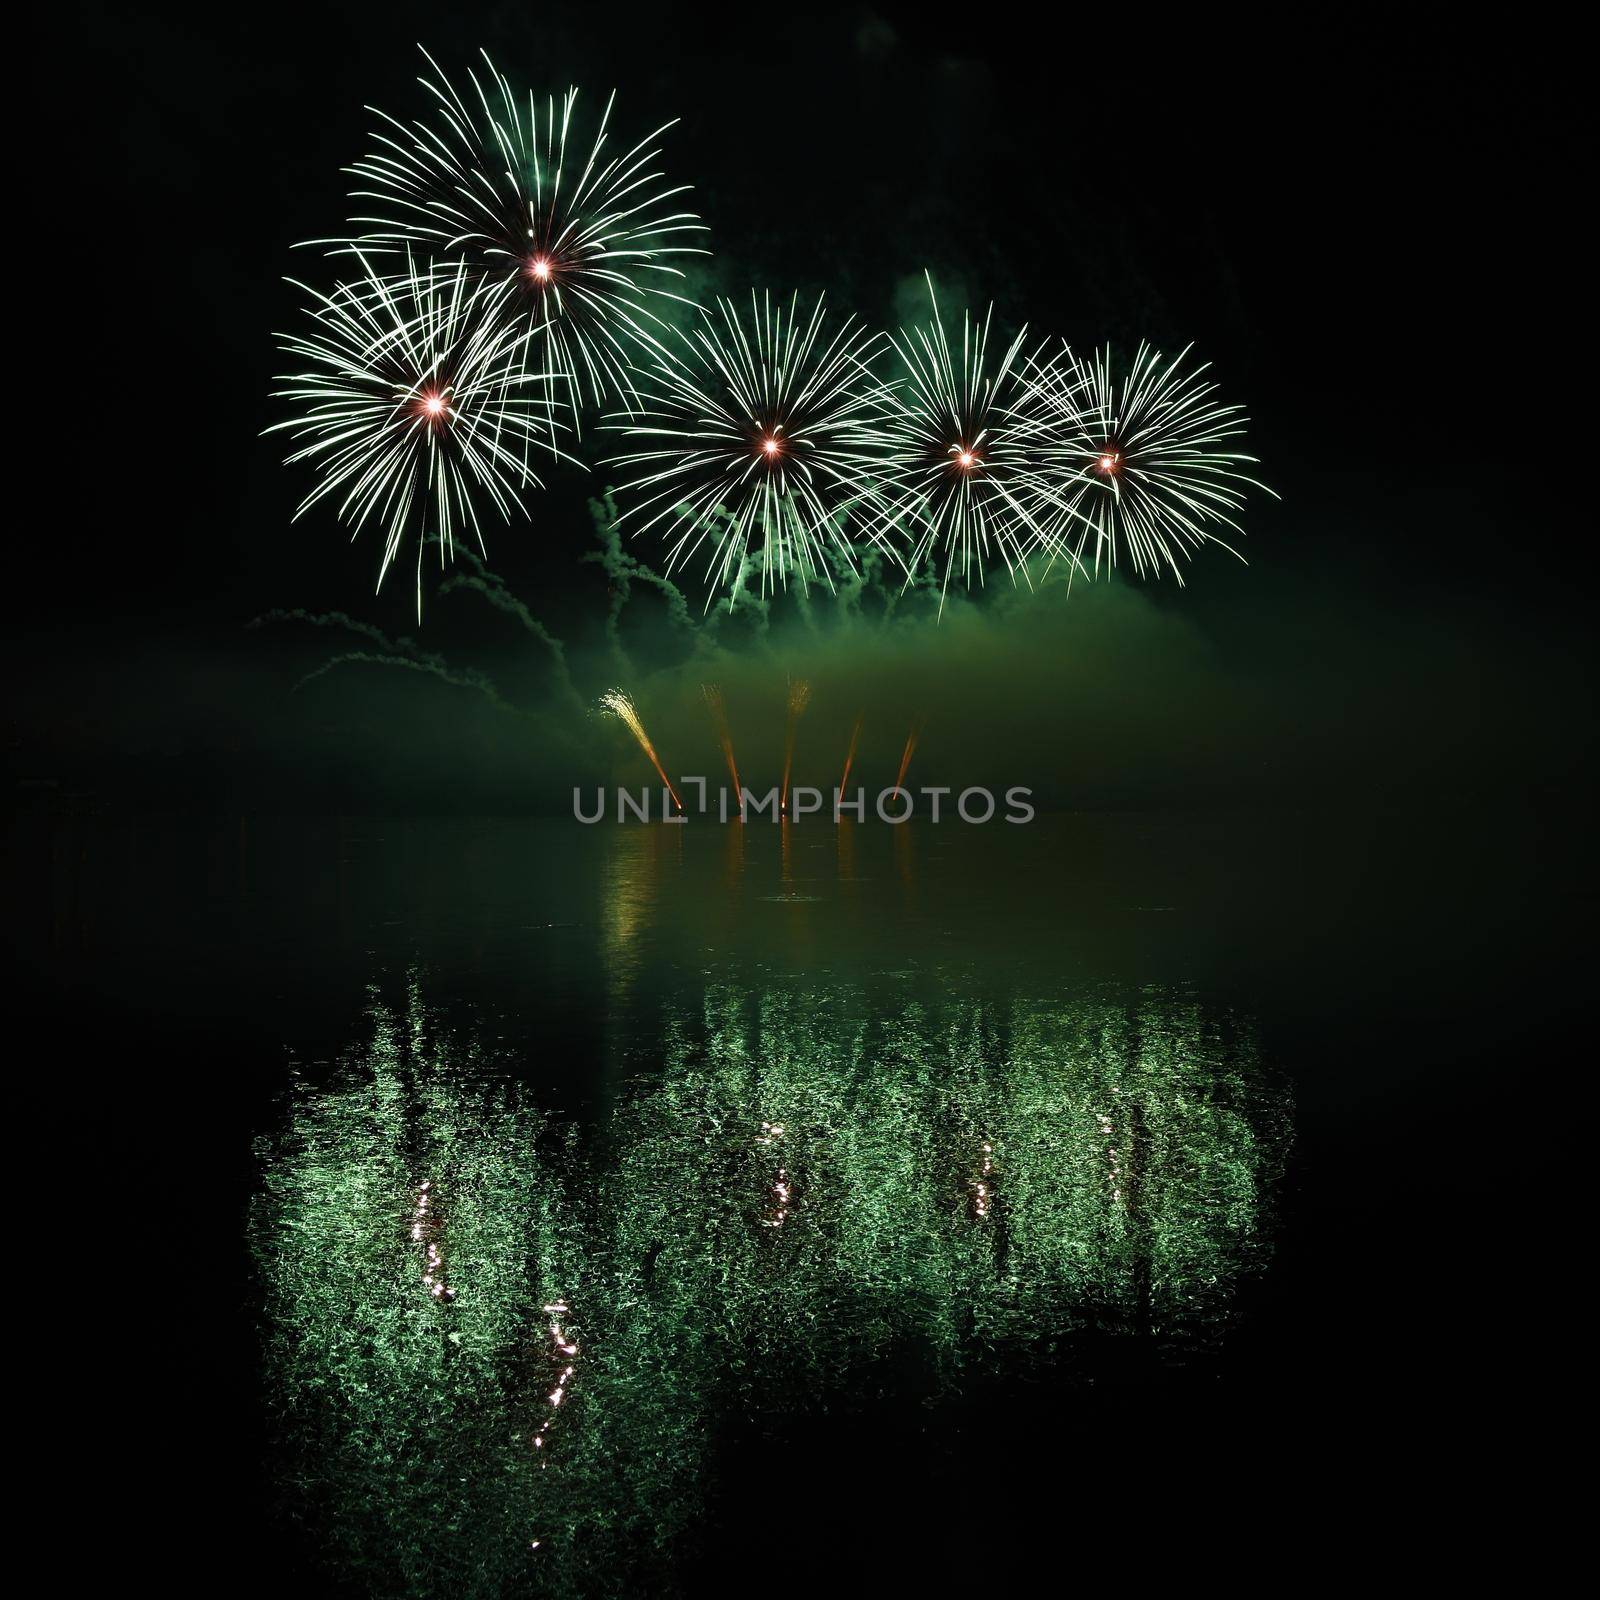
pixel 485 1330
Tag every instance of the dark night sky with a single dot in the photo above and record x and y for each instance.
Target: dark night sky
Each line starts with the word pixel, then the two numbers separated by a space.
pixel 1360 228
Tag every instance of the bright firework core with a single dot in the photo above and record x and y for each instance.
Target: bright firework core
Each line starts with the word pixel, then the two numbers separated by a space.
pixel 770 447
pixel 433 405
pixel 540 268
pixel 965 459
pixel 1109 460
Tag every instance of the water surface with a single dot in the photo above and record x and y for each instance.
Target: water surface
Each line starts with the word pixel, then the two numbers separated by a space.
pixel 605 1209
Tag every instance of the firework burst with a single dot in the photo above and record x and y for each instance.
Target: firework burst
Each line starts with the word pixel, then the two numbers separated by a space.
pixel 569 238
pixel 1142 463
pixel 756 440
pixel 415 407
pixel 962 476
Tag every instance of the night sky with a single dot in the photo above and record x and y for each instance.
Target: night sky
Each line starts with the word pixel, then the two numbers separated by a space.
pixel 1360 239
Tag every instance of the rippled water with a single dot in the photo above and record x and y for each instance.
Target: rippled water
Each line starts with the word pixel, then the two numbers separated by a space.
pixel 617 1210
pixel 479 1313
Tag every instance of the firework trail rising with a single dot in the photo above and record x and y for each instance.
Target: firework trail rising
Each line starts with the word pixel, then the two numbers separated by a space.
pixel 619 705
pixel 799 698
pixel 850 754
pixel 905 756
pixel 719 715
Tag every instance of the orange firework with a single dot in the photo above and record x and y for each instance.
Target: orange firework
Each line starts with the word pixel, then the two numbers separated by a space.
pixel 799 697
pixel 850 754
pixel 719 715
pixel 619 705
pixel 905 757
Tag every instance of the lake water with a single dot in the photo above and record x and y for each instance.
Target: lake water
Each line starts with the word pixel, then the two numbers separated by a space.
pixel 515 1206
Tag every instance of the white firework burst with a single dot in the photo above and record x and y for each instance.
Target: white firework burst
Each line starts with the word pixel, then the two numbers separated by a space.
pixel 1141 463
pixel 962 477
pixel 756 439
pixel 574 240
pixel 415 406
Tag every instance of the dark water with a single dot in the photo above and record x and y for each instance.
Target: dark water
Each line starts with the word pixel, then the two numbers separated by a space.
pixel 519 1207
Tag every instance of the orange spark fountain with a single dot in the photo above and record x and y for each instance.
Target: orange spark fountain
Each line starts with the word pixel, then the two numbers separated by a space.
pixel 905 757
pixel 850 754
pixel 619 705
pixel 799 697
pixel 719 715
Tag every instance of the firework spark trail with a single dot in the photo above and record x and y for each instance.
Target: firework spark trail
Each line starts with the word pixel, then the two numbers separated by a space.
pixel 719 715
pixel 905 757
pixel 799 698
pixel 757 440
pixel 575 247
pixel 620 706
pixel 1142 462
pixel 850 754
